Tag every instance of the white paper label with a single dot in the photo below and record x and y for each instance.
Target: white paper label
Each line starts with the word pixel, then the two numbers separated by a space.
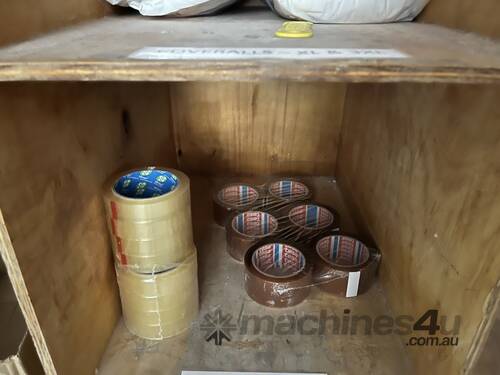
pixel 184 53
pixel 184 372
pixel 352 284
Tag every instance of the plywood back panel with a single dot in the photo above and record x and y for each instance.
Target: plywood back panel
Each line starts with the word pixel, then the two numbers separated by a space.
pixel 22 19
pixel 58 144
pixel 422 164
pixel 475 16
pixel 273 127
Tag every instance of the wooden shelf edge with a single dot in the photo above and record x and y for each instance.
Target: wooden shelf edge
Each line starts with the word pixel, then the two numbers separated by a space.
pixel 239 71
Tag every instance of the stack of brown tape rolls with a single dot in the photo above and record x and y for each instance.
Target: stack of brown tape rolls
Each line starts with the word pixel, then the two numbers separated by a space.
pixel 149 219
pixel 246 229
pixel 277 274
pixel 251 213
pixel 290 243
pixel 232 199
pixel 274 197
pixel 279 196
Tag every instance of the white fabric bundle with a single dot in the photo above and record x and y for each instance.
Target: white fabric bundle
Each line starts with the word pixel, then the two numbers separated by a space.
pixel 180 8
pixel 349 11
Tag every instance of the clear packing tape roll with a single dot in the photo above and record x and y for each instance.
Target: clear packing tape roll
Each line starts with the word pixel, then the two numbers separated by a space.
pixel 161 305
pixel 149 218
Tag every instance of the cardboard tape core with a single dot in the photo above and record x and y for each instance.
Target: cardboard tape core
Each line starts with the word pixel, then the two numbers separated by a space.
pixel 238 195
pixel 288 190
pixel 255 224
pixel 342 251
pixel 310 216
pixel 278 260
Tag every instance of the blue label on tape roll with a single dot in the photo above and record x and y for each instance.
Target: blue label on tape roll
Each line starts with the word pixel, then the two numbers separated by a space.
pixel 147 183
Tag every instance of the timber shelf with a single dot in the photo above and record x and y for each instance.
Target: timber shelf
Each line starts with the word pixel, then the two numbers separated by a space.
pixel 100 50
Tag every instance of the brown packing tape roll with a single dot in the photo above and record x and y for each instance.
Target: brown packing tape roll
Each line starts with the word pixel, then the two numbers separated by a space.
pixel 157 306
pixel 307 221
pixel 345 280
pixel 278 195
pixel 234 198
pixel 149 218
pixel 246 229
pixel 277 291
pixel 288 190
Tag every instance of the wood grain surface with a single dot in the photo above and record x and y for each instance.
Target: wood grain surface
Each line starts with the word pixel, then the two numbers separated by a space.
pixel 422 163
pixel 99 50
pixel 59 142
pixel 250 129
pixel 23 19
pixel 474 16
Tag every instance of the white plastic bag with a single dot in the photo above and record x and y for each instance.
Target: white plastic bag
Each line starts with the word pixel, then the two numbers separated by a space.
pixel 349 11
pixel 180 8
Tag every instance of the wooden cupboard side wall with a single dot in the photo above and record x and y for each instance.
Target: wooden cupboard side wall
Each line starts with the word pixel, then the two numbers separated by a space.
pixel 23 19
pixel 474 16
pixel 275 127
pixel 58 144
pixel 422 164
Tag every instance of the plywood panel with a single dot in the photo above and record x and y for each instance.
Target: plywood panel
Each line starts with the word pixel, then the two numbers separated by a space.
pixel 58 143
pixel 422 163
pixel 23 19
pixel 476 16
pixel 488 361
pixel 434 53
pixel 265 128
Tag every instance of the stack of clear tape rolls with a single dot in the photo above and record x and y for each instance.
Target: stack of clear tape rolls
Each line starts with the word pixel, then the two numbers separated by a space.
pixel 149 219
pixel 289 243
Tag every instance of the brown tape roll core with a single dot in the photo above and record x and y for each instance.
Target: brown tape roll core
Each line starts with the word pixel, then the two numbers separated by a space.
pixel 233 198
pixel 348 269
pixel 246 229
pixel 279 195
pixel 343 252
pixel 307 221
pixel 278 291
pixel 289 190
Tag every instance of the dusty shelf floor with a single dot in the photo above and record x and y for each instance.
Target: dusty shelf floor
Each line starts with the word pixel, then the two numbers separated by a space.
pixel 221 287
